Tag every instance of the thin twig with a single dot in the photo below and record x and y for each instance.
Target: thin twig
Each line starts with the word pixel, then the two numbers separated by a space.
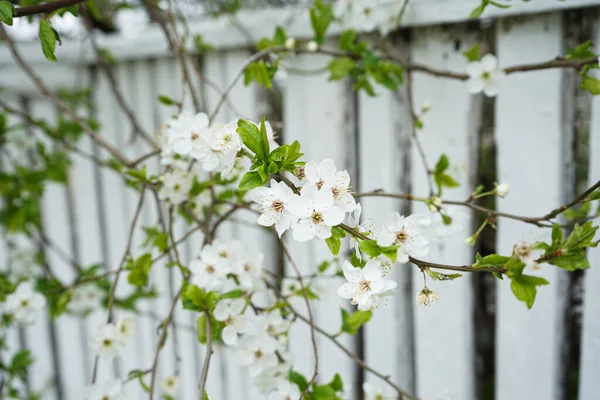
pixel 287 253
pixel 44 8
pixel 209 351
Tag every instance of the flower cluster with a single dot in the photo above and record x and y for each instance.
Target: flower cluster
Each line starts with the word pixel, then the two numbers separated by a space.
pixel 108 340
pixel 366 286
pixel 85 298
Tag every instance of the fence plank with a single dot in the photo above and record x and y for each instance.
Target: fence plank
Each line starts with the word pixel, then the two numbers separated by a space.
pixel 447 130
pixel 55 216
pixel 590 345
pixel 384 143
pixel 318 115
pixel 528 133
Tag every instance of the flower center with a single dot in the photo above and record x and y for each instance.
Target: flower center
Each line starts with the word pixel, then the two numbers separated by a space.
pixel 277 205
pixel 210 269
pixel 247 268
pixel 105 398
pixel 299 172
pixel 317 217
pixel 365 286
pixel 320 184
pixel 106 342
pixel 195 136
pixel 24 303
pixel 336 192
pixel 177 187
pixel 223 254
pixel 258 354
pixel 486 75
pixel 271 329
pixel 401 237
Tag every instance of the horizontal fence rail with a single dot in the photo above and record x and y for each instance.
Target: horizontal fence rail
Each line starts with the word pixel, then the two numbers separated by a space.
pixel 439 352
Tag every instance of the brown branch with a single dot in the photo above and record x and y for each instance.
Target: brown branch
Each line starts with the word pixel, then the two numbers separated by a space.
pixel 288 255
pixel 209 351
pixel 44 8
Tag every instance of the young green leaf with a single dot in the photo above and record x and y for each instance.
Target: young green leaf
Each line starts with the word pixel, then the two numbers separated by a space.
pixel 48 39
pixel 6 12
pixel 472 54
pixel 340 67
pixel 351 323
pixel 590 84
pixel 251 180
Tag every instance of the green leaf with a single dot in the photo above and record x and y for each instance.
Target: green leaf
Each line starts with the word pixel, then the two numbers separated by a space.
pixel 346 41
pixel 493 260
pixel 234 294
pixel 137 174
pixel 370 248
pixel 138 275
pixel 340 68
pixel 6 12
pixel 442 164
pixel 590 84
pixel 259 72
pixel 472 54
pixel 251 180
pixel 298 379
pixel 216 328
pixel 437 276
pixel 582 236
pixel 477 11
pixel 334 243
pixel 166 100
pixel 280 36
pixel 524 288
pixel 321 16
pixel 557 235
pixel 201 299
pixel 251 136
pixel 279 154
pixel 264 140
pixel 572 260
pixel 447 181
pixel 48 40
pixel 336 383
pixel 351 323
pixel 581 51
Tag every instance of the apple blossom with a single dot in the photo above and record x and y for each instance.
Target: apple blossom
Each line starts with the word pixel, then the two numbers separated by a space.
pixel 484 75
pixel 406 233
pixel 365 286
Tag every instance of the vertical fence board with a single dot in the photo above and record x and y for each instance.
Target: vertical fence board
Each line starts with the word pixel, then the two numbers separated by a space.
pixel 317 113
pixel 590 345
pixel 384 138
pixel 447 130
pixel 528 132
pixel 56 224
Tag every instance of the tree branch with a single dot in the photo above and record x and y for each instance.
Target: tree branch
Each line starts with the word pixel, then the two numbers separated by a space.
pixel 44 8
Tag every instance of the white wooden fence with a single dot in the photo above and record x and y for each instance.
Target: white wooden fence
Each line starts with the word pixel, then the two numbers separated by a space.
pixel 429 351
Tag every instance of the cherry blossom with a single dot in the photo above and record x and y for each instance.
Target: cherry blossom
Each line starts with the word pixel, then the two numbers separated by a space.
pixel 24 304
pixel 257 352
pixel 111 390
pixel 285 391
pixel 106 341
pixel 426 296
pixel 85 298
pixel 528 256
pixel 170 385
pixel 484 75
pixel 316 213
pixel 502 189
pixel 229 311
pixel 365 286
pixel 274 205
pixel 406 233
pixel 126 328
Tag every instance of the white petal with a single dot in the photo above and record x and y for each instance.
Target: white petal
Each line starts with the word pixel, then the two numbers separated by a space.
pixel 327 170
pixel 299 207
pixel 323 200
pixel 229 335
pixel 474 69
pixel 199 122
pixel 311 172
pixel 475 85
pixel 489 62
pixel 351 273
pixel 491 88
pixel 283 224
pixel 237 305
pixel 334 216
pixel 385 237
pixel 304 230
pixel 269 218
pixel 222 310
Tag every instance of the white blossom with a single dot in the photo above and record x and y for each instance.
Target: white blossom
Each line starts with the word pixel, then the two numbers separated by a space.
pixel 126 328
pixel 170 385
pixel 111 390
pixel 106 341
pixel 484 75
pixel 316 213
pixel 177 182
pixel 84 298
pixel 274 205
pixel 456 226
pixel 182 136
pixel 285 391
pixel 365 286
pixel 274 323
pixel 406 233
pixel 257 352
pixel 250 272
pixel 23 263
pixel 502 189
pixel 426 296
pixel 326 177
pixel 369 15
pixel 527 255
pixel 270 377
pixel 229 311
pixel 211 269
pixel 222 144
pixel 290 287
pixel 373 393
pixel 366 228
pixel 24 304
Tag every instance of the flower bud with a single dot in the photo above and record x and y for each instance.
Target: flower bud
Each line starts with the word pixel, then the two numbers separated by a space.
pixel 502 189
pixel 312 46
pixel 290 43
